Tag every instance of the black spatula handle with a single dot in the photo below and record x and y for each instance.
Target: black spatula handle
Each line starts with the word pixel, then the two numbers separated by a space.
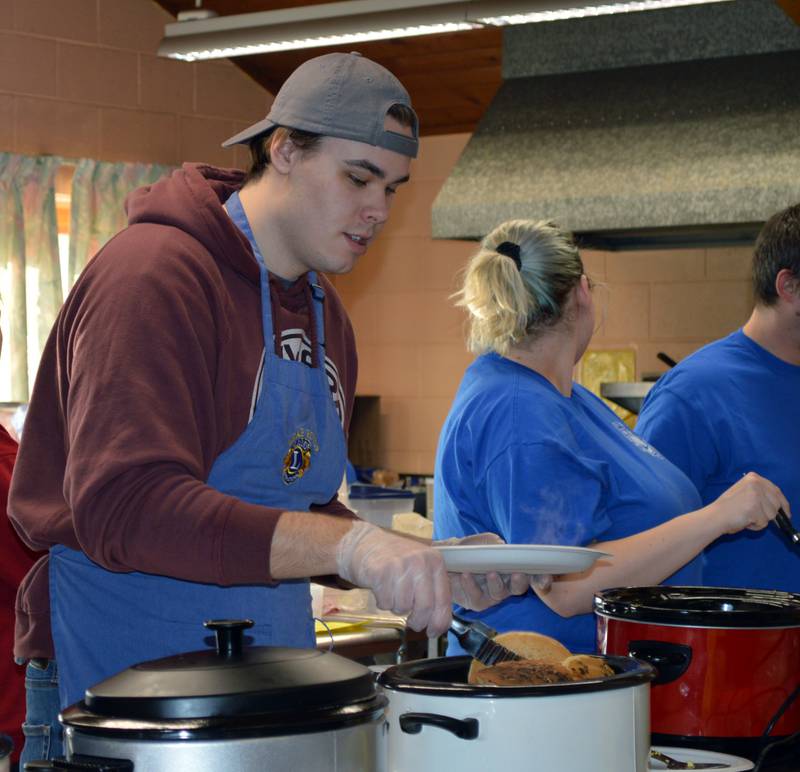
pixel 785 524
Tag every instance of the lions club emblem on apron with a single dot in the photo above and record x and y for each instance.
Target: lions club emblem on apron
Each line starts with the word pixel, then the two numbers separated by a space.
pixel 298 458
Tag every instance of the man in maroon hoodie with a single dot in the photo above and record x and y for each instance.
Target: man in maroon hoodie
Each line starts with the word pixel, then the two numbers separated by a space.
pixel 186 435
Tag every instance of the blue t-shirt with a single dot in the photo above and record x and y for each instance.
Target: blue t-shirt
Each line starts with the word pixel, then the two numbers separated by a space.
pixel 728 409
pixel 518 458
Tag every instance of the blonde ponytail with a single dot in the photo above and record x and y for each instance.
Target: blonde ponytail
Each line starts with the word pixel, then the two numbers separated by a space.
pixel 507 302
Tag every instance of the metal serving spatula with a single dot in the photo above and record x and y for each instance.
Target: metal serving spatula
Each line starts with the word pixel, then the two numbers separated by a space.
pixel 476 639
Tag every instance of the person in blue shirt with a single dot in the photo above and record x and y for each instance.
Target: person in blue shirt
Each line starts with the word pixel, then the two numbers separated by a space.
pixel 535 457
pixel 734 406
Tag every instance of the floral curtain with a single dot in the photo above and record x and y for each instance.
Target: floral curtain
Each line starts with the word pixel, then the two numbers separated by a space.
pixel 30 275
pixel 31 290
pixel 98 205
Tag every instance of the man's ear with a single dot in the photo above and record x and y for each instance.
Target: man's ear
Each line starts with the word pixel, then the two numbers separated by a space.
pixel 283 153
pixel 787 285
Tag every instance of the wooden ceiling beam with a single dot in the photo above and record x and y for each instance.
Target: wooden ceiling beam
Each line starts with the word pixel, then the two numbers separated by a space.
pixel 791 8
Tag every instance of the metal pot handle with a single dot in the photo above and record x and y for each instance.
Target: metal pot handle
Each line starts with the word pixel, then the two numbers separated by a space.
pixel 466 729
pixel 671 660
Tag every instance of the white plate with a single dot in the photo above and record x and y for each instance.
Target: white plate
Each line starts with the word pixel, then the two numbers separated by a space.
pixel 527 558
pixel 736 763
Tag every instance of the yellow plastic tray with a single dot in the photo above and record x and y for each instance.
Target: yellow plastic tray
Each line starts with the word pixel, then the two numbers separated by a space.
pixel 336 627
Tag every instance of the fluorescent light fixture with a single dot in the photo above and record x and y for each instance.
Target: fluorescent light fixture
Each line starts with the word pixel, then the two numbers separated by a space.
pixel 357 21
pixel 329 24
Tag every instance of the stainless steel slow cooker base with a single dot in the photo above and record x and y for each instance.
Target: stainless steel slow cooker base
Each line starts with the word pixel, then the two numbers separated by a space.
pixel 236 709
pixel 353 749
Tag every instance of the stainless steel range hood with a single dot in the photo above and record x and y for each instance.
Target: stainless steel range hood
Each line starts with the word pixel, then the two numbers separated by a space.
pixel 653 129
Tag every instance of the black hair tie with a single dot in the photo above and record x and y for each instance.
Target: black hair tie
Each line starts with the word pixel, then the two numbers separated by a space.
pixel 510 249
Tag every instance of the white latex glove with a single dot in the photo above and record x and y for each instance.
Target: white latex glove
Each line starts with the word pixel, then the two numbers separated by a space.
pixel 482 591
pixel 406 576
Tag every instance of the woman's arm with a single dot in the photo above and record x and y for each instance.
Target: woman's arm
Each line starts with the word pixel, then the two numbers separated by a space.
pixel 651 556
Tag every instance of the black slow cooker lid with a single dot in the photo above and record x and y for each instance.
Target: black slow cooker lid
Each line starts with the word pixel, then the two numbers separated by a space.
pixel 232 681
pixel 700 606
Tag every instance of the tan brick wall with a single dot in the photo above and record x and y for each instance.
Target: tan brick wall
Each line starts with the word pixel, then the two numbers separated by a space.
pixel 80 78
pixel 411 338
pixel 673 300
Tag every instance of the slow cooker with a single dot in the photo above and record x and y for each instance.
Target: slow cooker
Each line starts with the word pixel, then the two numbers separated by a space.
pixel 728 661
pixel 237 708
pixel 433 713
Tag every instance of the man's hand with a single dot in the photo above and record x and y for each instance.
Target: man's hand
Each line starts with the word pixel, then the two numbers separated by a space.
pixel 406 576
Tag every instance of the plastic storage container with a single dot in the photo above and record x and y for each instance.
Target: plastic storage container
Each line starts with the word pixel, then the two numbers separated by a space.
pixel 377 504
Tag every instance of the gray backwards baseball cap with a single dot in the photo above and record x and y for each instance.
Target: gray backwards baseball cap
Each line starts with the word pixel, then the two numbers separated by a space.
pixel 339 95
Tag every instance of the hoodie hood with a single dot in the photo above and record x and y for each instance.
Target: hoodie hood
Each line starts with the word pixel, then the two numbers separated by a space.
pixel 191 199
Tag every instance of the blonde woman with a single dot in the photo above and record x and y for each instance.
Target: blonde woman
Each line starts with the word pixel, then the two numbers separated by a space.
pixel 527 453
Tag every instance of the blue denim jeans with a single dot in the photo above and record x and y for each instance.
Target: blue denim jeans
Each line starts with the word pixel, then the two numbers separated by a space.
pixel 42 730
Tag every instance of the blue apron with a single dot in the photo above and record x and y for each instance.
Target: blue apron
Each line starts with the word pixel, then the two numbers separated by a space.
pixel 291 455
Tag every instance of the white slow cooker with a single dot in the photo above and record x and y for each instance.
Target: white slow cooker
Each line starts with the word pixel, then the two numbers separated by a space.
pixel 599 724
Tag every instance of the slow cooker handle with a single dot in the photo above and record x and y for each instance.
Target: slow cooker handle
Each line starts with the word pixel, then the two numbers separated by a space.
pixel 466 729
pixel 669 659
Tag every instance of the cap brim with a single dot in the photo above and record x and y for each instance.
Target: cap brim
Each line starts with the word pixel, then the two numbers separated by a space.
pixel 262 127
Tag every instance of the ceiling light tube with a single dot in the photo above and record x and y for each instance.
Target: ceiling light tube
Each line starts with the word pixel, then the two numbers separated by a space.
pixel 507 12
pixel 357 21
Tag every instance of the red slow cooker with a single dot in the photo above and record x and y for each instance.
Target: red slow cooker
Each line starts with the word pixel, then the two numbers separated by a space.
pixel 728 661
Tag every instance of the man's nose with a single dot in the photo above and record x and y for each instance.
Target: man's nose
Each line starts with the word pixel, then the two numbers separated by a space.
pixel 377 210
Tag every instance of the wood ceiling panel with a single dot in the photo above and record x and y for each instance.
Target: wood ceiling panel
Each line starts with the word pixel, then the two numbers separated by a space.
pixel 791 8
pixel 478 99
pixel 451 78
pixel 451 120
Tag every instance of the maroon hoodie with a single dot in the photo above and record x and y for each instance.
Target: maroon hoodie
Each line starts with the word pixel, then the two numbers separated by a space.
pixel 148 375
